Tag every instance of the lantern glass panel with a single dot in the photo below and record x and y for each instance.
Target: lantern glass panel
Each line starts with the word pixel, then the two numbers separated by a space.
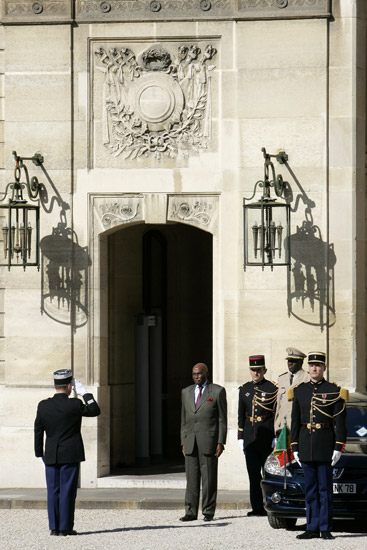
pixel 267 233
pixel 19 235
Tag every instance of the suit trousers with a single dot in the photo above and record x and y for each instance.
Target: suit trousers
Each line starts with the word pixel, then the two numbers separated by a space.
pixel 256 455
pixel 199 466
pixel 319 495
pixel 62 484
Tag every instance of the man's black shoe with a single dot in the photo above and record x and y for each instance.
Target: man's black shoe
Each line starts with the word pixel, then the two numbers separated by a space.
pixel 186 517
pixel 327 535
pixel 208 518
pixel 256 513
pixel 309 535
pixel 67 532
pixel 54 533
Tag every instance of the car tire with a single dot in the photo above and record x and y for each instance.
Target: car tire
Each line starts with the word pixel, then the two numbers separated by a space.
pixel 281 523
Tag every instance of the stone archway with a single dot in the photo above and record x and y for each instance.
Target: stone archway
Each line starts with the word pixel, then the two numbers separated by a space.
pixel 119 223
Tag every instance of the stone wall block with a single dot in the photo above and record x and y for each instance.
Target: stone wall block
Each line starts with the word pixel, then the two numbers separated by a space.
pixel 36 137
pixel 281 44
pixel 41 48
pixel 341 142
pixel 302 138
pixel 275 93
pixel 38 98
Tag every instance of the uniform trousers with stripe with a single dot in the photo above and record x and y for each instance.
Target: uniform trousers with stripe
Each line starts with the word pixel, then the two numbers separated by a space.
pixel 319 495
pixel 62 485
pixel 256 456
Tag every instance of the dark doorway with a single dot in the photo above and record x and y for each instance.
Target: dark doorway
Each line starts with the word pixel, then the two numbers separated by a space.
pixel 160 275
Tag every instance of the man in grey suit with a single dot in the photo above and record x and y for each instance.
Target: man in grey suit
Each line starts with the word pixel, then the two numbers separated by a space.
pixel 203 436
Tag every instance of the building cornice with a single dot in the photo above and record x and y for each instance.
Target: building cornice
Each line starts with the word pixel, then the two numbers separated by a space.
pixel 18 12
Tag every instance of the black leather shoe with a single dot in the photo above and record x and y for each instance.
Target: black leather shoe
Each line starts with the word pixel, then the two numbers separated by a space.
pixel 327 535
pixel 186 517
pixel 256 513
pixel 208 518
pixel 67 532
pixel 54 533
pixel 309 535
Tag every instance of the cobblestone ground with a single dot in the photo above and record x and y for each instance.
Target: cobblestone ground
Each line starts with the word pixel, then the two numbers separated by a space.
pixel 162 530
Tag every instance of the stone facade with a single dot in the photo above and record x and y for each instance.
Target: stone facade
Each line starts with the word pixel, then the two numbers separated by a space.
pixel 151 117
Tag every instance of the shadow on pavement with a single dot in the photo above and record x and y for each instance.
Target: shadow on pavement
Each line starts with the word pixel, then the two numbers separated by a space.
pixel 152 528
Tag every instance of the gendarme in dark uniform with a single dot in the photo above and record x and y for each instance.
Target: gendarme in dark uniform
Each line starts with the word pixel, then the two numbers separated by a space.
pixel 318 434
pixel 256 404
pixel 60 419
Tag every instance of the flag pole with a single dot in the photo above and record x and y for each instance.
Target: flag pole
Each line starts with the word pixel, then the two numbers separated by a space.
pixel 285 458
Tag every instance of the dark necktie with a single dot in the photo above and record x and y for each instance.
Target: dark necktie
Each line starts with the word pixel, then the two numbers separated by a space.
pixel 291 378
pixel 199 396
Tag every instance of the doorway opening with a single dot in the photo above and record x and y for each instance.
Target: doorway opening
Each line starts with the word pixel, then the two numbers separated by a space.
pixel 160 324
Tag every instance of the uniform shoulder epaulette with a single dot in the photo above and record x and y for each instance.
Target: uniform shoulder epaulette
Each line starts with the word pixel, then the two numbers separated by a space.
pixel 275 383
pixel 290 394
pixel 344 394
pixel 239 387
pixel 283 374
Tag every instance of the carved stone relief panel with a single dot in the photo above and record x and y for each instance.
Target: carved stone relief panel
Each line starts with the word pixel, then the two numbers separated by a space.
pixel 152 100
pixel 113 210
pixel 198 210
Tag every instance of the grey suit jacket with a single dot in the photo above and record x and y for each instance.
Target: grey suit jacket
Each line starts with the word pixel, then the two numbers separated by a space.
pixel 207 424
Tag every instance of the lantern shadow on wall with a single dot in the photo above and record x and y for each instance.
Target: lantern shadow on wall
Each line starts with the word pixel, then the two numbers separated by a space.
pixel 311 280
pixel 64 277
pixel 64 267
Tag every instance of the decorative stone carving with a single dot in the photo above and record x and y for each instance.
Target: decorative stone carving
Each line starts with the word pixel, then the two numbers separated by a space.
pixel 262 4
pixel 114 210
pixel 156 103
pixel 47 10
pixel 198 210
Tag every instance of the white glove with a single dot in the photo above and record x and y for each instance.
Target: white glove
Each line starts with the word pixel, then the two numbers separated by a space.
pixel 240 444
pixel 336 456
pixel 40 458
pixel 78 387
pixel 295 454
pixel 274 442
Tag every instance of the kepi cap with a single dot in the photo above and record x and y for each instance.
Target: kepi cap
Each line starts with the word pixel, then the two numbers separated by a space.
pixel 294 353
pixel 257 361
pixel 316 357
pixel 63 377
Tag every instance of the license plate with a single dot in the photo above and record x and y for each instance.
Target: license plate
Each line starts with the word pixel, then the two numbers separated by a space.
pixel 344 488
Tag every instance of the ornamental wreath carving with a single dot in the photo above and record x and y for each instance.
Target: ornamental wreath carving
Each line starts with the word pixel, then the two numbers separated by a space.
pixel 156 103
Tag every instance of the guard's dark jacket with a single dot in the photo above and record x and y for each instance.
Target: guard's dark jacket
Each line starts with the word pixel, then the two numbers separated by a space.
pixel 61 418
pixel 320 406
pixel 256 405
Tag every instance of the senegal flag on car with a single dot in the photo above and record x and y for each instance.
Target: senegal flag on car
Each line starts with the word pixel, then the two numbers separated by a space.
pixel 283 450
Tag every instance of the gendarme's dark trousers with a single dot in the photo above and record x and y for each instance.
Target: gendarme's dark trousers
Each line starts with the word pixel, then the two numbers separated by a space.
pixel 205 467
pixel 62 484
pixel 319 495
pixel 255 460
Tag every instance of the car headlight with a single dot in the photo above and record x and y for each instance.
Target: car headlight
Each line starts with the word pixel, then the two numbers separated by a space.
pixel 273 467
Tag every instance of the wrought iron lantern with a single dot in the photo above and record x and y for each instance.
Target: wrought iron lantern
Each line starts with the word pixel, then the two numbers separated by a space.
pixel 20 219
pixel 267 221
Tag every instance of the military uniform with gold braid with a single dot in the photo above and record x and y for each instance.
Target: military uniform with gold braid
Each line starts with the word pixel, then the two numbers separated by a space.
pixel 318 432
pixel 256 404
pixel 318 420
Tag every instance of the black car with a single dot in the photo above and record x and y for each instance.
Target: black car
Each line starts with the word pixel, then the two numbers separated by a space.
pixel 284 495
